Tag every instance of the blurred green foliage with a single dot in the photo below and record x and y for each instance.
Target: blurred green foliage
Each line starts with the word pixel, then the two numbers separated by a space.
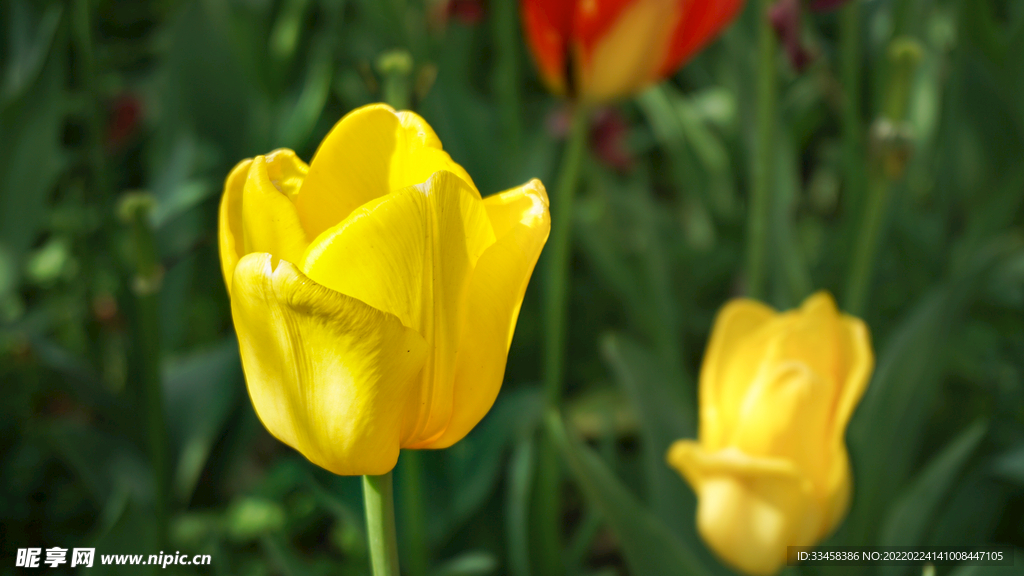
pixel 99 98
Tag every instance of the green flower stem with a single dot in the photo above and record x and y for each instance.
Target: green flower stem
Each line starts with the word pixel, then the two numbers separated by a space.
pixel 380 524
pixel 558 251
pixel 867 245
pixel 395 68
pixel 852 129
pixel 891 151
pixel 547 499
pixel 135 209
pixel 415 517
pixel 505 22
pixel 760 200
pixel 81 32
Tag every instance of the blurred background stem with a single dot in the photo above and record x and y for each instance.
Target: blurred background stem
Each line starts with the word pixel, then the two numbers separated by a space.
pixel 891 149
pixel 559 250
pixel 82 37
pixel 759 208
pixel 505 19
pixel 850 78
pixel 135 209
pixel 379 501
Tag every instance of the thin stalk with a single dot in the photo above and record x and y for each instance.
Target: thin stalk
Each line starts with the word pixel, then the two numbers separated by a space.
pixel 505 26
pixel 558 251
pixel 379 501
pixel 415 525
pixel 548 497
pixel 867 245
pixel 135 209
pixel 852 128
pixel 760 201
pixel 81 27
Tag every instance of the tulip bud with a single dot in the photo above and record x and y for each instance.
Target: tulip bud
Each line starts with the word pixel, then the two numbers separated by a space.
pixel 599 50
pixel 770 468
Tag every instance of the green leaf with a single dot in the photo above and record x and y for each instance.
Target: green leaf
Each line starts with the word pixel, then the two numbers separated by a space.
pixel 517 507
pixel 911 515
pixel 29 44
pixel 665 415
pixel 106 464
pixel 199 393
pixel 31 158
pixel 473 466
pixel 903 389
pixel 470 563
pixel 1010 465
pixel 649 547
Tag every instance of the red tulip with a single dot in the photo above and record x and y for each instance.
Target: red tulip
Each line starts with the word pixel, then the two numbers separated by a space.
pixel 604 49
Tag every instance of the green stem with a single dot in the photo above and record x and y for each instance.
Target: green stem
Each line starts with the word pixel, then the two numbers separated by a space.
pixel 867 245
pixel 852 130
pixel 758 217
pixel 546 540
pixel 415 524
pixel 135 209
pixel 505 21
pixel 82 38
pixel 379 501
pixel 548 497
pixel 395 67
pixel 558 251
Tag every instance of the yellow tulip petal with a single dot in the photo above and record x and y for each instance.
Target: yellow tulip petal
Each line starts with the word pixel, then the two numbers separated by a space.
pixel 350 167
pixel 286 171
pixel 749 509
pixel 229 229
pixel 786 409
pixel 370 152
pixel 423 155
pixel 733 327
pixel 494 297
pixel 855 340
pixel 526 204
pixel 836 491
pixel 269 221
pixel 410 254
pixel 324 371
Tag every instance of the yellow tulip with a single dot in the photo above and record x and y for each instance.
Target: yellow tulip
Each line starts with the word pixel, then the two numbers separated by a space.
pixel 770 469
pixel 374 293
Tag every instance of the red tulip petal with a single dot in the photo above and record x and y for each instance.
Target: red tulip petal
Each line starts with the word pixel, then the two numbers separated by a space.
pixel 548 25
pixel 702 20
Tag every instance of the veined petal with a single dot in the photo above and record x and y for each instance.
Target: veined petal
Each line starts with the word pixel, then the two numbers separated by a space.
pixel 269 221
pixel 734 325
pixel 369 153
pixel 229 227
pixel 324 371
pixel 749 509
pixel 410 254
pixel 521 220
